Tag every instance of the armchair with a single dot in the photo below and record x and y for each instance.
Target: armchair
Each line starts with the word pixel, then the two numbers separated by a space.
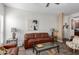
pixel 11 49
pixel 74 44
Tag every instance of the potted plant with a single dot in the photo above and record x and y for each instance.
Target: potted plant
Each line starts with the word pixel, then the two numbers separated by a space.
pixel 55 35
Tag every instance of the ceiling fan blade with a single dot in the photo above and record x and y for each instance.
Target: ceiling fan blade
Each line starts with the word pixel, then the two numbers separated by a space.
pixel 47 5
pixel 57 3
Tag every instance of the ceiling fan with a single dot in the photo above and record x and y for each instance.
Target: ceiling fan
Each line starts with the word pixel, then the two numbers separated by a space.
pixel 47 5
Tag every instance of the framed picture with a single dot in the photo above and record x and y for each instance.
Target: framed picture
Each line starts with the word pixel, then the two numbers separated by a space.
pixel 35 24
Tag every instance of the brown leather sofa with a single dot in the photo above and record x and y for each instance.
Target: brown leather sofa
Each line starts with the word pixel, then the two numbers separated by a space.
pixel 12 49
pixel 36 38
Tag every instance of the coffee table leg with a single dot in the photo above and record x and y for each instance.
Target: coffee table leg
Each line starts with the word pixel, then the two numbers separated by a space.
pixel 74 51
pixel 58 49
pixel 33 50
pixel 37 53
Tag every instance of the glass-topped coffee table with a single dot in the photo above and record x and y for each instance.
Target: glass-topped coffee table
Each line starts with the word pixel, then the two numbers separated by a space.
pixel 45 46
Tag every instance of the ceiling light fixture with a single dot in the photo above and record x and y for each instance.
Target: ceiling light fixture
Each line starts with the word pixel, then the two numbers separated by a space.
pixel 47 5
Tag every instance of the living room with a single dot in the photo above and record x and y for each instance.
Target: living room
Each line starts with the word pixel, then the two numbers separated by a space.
pixel 38 20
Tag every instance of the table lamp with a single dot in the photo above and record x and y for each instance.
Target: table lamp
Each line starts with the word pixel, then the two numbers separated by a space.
pixel 13 30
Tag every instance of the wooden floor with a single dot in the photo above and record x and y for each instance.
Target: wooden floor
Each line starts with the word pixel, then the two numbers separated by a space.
pixel 63 51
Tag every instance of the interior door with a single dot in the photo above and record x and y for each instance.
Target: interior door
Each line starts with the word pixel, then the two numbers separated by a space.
pixel 76 23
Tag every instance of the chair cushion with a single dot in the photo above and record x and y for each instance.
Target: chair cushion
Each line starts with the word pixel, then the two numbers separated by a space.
pixel 76 40
pixel 70 44
pixel 73 44
pixel 9 45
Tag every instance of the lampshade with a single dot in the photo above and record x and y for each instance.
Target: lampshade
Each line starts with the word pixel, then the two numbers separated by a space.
pixel 13 30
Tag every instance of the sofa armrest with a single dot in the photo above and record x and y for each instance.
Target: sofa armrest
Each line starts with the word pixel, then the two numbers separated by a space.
pixel 52 37
pixel 26 43
pixel 7 46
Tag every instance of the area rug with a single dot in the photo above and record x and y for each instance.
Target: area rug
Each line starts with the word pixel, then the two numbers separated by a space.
pixel 52 52
pixel 63 51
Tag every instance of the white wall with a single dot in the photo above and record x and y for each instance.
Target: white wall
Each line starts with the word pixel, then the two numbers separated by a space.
pixel 21 20
pixel 1 23
pixel 1 9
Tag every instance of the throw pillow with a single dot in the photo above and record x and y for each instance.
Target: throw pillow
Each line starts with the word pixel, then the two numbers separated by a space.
pixel 3 50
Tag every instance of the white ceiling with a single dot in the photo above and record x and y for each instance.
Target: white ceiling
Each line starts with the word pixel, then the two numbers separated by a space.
pixel 67 8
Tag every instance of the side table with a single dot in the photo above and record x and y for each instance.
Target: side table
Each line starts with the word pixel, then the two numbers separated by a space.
pixel 12 41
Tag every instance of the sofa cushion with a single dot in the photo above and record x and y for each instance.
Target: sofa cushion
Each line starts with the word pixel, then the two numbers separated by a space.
pixel 41 35
pixel 44 35
pixel 37 35
pixel 29 35
pixel 42 40
pixel 31 41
